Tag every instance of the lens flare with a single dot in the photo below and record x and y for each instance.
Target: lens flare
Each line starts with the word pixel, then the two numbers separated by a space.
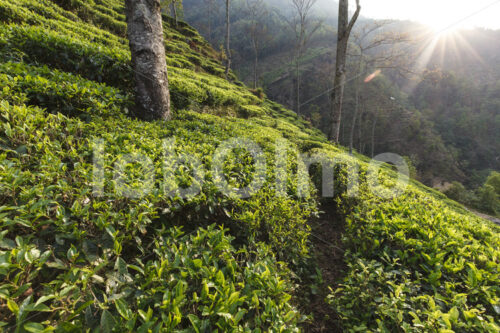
pixel 372 75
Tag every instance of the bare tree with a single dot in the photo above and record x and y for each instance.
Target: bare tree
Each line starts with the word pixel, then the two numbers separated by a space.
pixel 228 37
pixel 171 7
pixel 344 30
pixel 257 31
pixel 175 4
pixel 364 43
pixel 211 4
pixel 374 126
pixel 145 34
pixel 303 28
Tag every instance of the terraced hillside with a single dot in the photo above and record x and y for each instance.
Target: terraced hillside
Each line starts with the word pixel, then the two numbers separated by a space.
pixel 77 254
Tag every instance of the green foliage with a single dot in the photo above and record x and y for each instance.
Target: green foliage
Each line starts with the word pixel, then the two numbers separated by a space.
pixel 489 194
pixel 494 181
pixel 99 16
pixel 485 198
pixel 70 54
pixel 415 264
pixel 459 193
pixel 72 260
pixel 61 92
pixel 48 208
pixel 488 200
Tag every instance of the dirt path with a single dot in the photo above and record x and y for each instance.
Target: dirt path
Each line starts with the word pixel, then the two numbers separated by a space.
pixel 326 236
pixel 487 217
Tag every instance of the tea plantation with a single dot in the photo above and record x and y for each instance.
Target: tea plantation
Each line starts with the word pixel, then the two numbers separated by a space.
pixel 76 256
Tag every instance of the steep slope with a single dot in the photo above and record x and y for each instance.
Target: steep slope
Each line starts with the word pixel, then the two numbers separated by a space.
pixel 84 244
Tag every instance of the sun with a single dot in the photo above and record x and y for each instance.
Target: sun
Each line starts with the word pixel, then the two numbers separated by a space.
pixel 442 25
pixel 441 28
pixel 438 14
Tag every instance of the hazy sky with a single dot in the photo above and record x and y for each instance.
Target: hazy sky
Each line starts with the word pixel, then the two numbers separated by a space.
pixel 438 14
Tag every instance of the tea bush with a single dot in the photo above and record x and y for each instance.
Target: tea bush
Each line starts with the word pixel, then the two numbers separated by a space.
pixel 76 254
pixel 62 92
pixel 416 264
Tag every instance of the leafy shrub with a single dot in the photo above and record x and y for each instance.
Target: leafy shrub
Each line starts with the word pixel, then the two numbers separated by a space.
pixel 92 14
pixel 72 261
pixel 95 242
pixel 485 198
pixel 488 199
pixel 62 92
pixel 416 265
pixel 69 54
pixel 458 192
pixel 494 181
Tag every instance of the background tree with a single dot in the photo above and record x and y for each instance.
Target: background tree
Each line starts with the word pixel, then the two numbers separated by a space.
pixel 145 34
pixel 303 28
pixel 211 8
pixel 257 30
pixel 176 5
pixel 228 39
pixel 367 56
pixel 446 124
pixel 343 32
pixel 173 8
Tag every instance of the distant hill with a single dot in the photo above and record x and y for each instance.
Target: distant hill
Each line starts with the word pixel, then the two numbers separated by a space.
pixel 470 56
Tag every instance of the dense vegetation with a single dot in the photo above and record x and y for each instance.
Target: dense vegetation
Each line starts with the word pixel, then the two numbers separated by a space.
pixel 72 260
pixel 442 114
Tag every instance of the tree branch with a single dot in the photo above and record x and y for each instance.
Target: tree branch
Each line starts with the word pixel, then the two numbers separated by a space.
pixel 354 18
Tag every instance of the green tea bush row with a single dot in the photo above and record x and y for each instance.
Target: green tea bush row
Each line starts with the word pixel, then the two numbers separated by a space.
pixel 45 13
pixel 63 248
pixel 89 60
pixel 32 11
pixel 417 265
pixel 72 258
pixel 88 12
pixel 61 92
pixel 66 53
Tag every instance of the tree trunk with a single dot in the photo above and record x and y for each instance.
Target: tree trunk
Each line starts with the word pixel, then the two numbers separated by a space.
pixel 354 118
pixel 174 12
pixel 297 91
pixel 256 60
pixel 356 107
pixel 374 123
pixel 228 46
pixel 145 34
pixel 360 131
pixel 255 64
pixel 210 21
pixel 343 33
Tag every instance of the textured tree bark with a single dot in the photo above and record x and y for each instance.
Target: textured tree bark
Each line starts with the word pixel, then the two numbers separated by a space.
pixel 344 30
pixel 145 34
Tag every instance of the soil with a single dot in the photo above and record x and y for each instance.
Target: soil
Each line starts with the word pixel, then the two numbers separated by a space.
pixel 488 217
pixel 327 232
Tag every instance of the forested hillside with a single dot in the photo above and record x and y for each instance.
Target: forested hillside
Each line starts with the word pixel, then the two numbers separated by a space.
pixel 86 246
pixel 449 136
